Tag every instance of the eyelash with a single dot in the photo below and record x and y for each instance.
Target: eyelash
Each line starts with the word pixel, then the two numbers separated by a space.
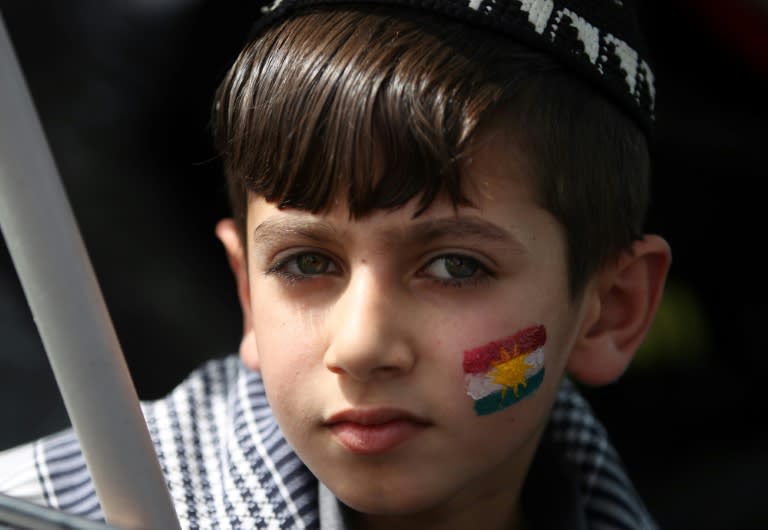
pixel 483 274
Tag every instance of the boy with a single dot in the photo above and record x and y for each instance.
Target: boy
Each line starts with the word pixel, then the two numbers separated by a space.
pixel 437 214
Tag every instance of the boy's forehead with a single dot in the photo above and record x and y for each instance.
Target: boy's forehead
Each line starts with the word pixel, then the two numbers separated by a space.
pixel 494 177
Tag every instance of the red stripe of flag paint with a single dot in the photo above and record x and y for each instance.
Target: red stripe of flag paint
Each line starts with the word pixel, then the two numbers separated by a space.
pixel 505 371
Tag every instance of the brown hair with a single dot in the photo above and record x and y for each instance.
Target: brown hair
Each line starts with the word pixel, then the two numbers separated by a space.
pixel 378 104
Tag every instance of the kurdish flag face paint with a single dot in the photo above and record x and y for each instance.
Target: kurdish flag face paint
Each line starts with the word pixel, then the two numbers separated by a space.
pixel 503 372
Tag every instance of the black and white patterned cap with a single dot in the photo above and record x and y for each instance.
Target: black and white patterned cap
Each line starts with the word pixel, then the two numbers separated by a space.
pixel 600 40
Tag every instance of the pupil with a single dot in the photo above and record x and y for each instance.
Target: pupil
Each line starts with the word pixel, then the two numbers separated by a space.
pixel 460 267
pixel 312 264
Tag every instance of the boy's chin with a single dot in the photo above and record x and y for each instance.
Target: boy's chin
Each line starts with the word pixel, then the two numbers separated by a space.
pixel 394 504
pixel 388 498
pixel 423 507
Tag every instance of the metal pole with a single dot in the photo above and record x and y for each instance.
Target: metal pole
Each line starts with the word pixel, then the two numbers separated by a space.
pixel 70 313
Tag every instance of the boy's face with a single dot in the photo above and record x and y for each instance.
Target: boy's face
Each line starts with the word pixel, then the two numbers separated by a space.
pixel 360 328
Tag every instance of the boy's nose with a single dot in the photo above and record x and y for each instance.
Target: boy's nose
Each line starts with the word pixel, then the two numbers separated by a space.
pixel 368 329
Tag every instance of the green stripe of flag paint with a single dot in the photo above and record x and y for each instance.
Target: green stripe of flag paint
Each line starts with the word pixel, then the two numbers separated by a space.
pixel 503 399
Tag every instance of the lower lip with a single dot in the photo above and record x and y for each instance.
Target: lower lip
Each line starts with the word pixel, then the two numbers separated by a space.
pixel 373 439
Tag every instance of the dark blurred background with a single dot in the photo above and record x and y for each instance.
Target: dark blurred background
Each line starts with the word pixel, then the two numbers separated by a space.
pixel 123 88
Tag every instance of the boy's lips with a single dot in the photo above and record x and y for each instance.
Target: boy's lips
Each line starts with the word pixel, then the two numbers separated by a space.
pixel 372 431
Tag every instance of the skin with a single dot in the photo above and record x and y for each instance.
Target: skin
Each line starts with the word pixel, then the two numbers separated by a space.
pixel 343 314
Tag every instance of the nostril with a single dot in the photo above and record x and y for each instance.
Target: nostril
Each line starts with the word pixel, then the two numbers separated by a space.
pixel 367 365
pixel 335 369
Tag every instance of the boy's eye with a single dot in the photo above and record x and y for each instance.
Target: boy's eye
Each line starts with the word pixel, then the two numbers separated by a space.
pixel 454 267
pixel 312 263
pixel 306 264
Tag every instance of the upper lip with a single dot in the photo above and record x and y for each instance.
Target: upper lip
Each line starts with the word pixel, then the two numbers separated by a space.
pixel 373 416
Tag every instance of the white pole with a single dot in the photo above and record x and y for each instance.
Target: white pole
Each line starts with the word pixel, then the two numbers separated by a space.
pixel 70 313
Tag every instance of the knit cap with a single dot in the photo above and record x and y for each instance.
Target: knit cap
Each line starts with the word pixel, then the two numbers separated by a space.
pixel 599 40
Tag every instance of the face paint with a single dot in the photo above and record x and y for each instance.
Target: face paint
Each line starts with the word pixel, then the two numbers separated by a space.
pixel 503 372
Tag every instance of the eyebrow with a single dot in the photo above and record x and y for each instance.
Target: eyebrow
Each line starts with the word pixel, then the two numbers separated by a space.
pixel 272 230
pixel 418 233
pixel 458 227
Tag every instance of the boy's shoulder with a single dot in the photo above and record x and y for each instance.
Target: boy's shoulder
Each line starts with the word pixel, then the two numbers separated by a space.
pixel 227 464
pixel 580 447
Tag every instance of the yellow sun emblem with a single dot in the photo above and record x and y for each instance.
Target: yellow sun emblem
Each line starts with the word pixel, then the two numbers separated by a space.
pixel 510 370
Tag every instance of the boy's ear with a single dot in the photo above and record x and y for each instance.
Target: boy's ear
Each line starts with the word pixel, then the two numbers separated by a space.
pixel 226 231
pixel 622 305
